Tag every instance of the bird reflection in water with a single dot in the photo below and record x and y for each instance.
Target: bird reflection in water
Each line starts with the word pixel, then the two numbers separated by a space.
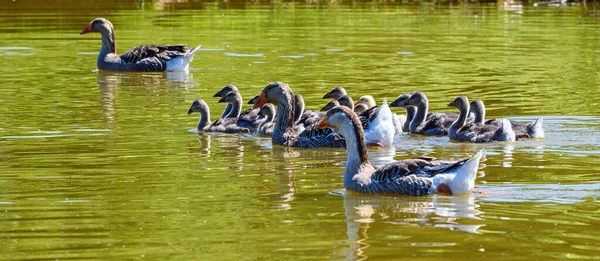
pixel 204 140
pixel 431 211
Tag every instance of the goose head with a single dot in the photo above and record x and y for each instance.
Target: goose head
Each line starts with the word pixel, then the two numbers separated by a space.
pixel 367 100
pixel 335 93
pixel 400 100
pixel 416 99
pixel 198 105
pixel 330 105
pixel 347 101
pixel 253 100
pixel 276 92
pixel 360 108
pixel 461 103
pixel 226 89
pixel 478 109
pixel 231 97
pixel 98 25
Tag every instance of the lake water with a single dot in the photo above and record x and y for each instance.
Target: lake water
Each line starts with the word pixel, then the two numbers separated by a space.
pixel 100 165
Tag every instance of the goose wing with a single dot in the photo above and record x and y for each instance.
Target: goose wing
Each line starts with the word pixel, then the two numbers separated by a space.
pixel 160 52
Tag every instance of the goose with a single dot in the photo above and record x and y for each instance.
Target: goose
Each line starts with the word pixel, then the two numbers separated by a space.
pixel 144 58
pixel 266 114
pixel 416 177
pixel 221 93
pixel 228 125
pixel 477 132
pixel 335 93
pixel 531 130
pixel 284 133
pixel 410 110
pixel 424 123
pixel 248 118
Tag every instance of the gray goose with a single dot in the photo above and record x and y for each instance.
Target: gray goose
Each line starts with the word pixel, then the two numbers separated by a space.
pixel 522 130
pixel 477 132
pixel 144 58
pixel 221 93
pixel 335 93
pixel 284 132
pixel 227 125
pixel 425 123
pixel 416 177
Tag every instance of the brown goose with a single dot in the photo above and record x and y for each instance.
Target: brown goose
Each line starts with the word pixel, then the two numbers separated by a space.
pixel 531 130
pixel 284 133
pixel 228 125
pixel 144 58
pixel 415 177
pixel 477 132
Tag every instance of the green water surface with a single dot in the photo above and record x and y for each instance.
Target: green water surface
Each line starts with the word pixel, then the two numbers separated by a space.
pixel 101 165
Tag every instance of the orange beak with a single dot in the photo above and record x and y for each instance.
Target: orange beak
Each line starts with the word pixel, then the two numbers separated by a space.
pixel 88 29
pixel 323 124
pixel 262 100
pixel 356 103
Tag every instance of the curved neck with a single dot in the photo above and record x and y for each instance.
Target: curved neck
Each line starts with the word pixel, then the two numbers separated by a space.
pixel 226 111
pixel 285 118
pixel 479 114
pixel 419 117
pixel 358 160
pixel 461 121
pixel 236 109
pixel 269 117
pixel 204 118
pixel 410 115
pixel 108 42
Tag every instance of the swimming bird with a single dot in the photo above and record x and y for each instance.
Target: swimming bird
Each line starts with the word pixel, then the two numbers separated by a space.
pixel 477 132
pixel 284 132
pixel 424 123
pixel 335 93
pixel 246 119
pixel 221 93
pixel 228 125
pixel 417 177
pixel 522 130
pixel 144 58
